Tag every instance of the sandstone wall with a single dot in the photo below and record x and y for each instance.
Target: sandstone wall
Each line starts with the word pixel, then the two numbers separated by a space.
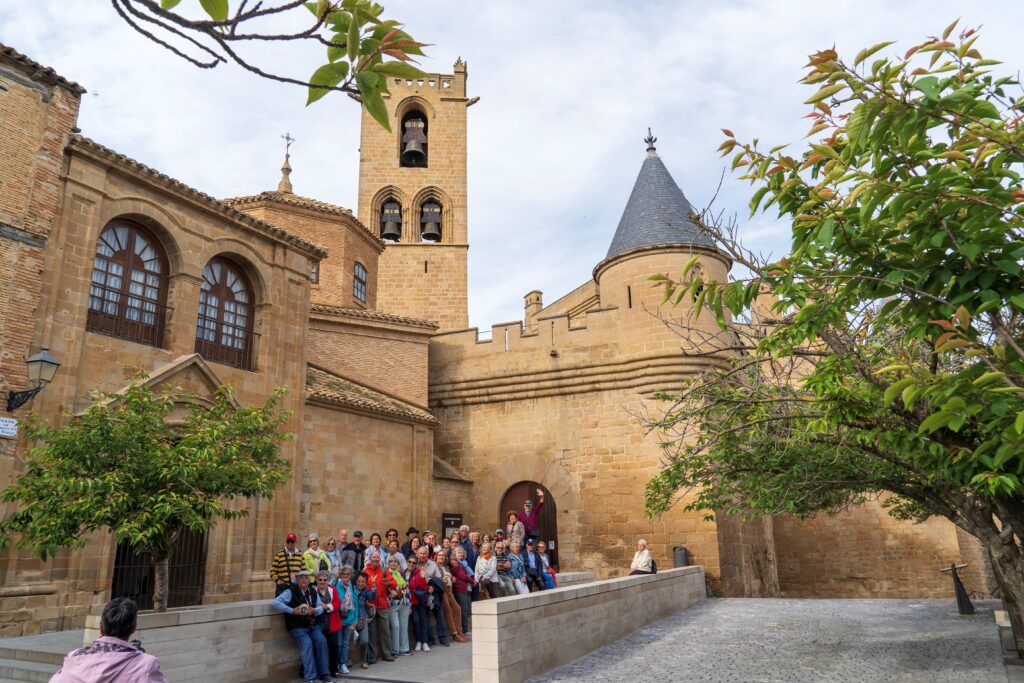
pixel 867 554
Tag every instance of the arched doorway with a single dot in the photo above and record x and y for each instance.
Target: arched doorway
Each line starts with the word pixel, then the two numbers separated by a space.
pixel 547 518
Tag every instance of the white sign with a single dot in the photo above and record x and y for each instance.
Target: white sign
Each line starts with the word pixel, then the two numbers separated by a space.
pixel 8 428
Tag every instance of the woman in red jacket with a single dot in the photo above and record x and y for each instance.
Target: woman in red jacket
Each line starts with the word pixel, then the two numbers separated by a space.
pixel 378 584
pixel 462 584
pixel 420 589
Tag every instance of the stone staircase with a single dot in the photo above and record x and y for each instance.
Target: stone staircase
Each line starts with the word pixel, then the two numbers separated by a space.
pixel 36 658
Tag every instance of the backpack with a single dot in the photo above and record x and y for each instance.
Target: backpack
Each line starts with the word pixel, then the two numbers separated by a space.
pixel 654 566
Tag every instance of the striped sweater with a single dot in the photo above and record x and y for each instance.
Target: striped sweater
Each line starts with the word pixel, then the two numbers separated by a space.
pixel 286 566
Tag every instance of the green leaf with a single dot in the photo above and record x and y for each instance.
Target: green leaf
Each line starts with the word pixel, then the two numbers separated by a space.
pixel 372 100
pixel 868 51
pixel 353 40
pixel 896 388
pixel 169 4
pixel 327 75
pixel 825 92
pixel 934 421
pixel 217 9
pixel 755 201
pixel 398 70
pixel 1018 424
pixel 929 85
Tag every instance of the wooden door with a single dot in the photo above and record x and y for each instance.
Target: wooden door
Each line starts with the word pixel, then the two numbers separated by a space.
pixel 547 520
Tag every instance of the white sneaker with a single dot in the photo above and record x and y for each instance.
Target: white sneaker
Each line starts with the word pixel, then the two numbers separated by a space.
pixel 419 647
pixel 426 648
pixel 344 669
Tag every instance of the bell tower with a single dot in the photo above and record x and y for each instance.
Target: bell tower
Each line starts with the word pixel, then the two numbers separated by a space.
pixel 412 194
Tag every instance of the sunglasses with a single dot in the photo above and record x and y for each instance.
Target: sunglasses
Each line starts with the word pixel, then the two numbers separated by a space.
pixel 321 580
pixel 289 542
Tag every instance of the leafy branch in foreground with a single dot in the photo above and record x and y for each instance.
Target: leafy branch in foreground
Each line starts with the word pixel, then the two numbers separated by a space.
pixel 884 355
pixel 122 465
pixel 357 41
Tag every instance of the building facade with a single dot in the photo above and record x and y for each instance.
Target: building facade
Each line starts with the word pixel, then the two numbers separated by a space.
pixel 401 414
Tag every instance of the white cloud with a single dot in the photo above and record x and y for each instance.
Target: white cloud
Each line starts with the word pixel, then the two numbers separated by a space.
pixel 567 91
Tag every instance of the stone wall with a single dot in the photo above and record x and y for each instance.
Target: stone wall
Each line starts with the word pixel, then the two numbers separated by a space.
pixel 426 281
pixel 389 355
pixel 519 637
pixel 865 553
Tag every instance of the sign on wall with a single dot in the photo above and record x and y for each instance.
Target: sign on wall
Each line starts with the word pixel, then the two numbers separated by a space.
pixel 450 522
pixel 8 427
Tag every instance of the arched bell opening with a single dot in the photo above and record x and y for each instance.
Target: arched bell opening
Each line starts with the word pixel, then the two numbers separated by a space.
pixel 391 221
pixel 413 149
pixel 430 221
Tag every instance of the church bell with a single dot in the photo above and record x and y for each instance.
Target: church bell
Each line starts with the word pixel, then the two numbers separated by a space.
pixel 413 140
pixel 432 231
pixel 431 222
pixel 391 222
pixel 412 153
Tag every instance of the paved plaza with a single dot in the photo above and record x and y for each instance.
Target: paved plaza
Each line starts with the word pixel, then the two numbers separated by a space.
pixel 820 641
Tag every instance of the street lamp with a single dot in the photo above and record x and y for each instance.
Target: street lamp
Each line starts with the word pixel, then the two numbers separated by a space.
pixel 41 369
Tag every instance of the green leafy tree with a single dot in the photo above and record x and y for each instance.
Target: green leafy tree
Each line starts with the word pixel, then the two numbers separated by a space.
pixel 362 49
pixel 884 355
pixel 123 466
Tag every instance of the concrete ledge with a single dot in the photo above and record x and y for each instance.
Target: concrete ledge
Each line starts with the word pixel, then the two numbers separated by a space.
pixel 522 636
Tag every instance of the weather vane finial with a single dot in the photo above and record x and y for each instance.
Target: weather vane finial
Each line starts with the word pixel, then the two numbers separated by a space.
pixel 286 184
pixel 650 140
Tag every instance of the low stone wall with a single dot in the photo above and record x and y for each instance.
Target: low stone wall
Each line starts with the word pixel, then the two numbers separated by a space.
pixel 518 637
pixel 232 643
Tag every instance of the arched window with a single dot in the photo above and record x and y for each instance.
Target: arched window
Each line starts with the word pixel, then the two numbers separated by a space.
pixel 413 150
pixel 359 282
pixel 430 222
pixel 224 330
pixel 128 292
pixel 391 221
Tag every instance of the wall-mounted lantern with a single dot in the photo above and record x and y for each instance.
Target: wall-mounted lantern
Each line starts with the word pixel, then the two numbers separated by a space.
pixel 41 369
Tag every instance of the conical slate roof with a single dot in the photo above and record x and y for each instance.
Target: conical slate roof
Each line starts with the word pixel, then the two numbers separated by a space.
pixel 657 212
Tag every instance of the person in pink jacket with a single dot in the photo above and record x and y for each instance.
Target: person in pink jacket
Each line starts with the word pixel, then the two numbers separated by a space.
pixel 111 658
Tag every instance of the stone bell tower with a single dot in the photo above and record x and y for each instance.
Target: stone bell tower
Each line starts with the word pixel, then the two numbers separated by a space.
pixel 412 193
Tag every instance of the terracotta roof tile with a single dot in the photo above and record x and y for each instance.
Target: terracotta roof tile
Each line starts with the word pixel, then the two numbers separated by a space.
pixel 45 71
pixel 326 386
pixel 82 142
pixel 301 202
pixel 372 315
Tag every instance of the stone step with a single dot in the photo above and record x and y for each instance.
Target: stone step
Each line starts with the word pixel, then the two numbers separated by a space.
pixel 41 656
pixel 24 670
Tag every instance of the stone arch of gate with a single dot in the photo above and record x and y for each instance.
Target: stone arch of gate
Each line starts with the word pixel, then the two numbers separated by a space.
pixel 557 482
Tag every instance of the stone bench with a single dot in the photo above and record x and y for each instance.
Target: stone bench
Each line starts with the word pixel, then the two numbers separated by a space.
pixel 517 637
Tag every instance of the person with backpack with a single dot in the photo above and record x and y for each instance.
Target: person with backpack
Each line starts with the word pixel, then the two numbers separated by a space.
pixel 643 563
pixel 316 557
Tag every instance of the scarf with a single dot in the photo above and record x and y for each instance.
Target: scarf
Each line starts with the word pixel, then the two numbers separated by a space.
pixel 346 600
pixel 397 574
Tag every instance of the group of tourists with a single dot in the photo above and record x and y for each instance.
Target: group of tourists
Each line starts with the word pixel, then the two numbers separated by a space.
pixel 337 592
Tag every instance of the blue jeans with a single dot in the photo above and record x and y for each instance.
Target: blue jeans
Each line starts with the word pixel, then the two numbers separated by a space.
pixel 363 636
pixel 312 652
pixel 442 630
pixel 344 640
pixel 421 623
pixel 549 581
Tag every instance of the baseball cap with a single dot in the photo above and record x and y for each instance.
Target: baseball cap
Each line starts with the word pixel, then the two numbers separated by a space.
pixel 412 530
pixel 358 533
pixel 529 541
pixel 304 572
pixel 499 531
pixel 291 537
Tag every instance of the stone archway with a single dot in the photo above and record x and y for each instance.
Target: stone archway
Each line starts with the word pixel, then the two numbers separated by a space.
pixel 547 518
pixel 547 470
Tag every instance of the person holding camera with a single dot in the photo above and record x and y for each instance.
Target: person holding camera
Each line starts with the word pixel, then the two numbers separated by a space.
pixel 111 657
pixel 302 612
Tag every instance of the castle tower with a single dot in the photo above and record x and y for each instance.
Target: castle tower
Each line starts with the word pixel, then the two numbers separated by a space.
pixel 412 193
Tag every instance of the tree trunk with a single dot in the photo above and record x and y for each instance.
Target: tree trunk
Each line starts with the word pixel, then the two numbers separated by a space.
pixel 160 584
pixel 1008 567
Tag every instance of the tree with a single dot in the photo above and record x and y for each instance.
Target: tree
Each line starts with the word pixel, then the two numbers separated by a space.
pixel 122 466
pixel 884 355
pixel 355 38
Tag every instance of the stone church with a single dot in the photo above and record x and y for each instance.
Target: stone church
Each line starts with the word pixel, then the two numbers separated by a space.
pixel 401 414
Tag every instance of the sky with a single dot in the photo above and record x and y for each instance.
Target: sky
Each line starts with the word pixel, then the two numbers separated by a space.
pixel 567 91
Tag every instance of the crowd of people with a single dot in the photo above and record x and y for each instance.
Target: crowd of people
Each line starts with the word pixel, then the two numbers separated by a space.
pixel 336 592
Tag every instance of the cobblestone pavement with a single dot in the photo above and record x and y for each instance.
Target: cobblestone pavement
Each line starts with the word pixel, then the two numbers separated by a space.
pixel 452 664
pixel 819 641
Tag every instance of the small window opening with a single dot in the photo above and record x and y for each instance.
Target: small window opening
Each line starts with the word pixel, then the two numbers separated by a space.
pixel 359 282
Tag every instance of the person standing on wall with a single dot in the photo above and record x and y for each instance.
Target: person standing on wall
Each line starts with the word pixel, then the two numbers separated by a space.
pixel 287 563
pixel 530 514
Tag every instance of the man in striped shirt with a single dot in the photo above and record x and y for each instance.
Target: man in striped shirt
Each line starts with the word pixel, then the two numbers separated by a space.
pixel 287 564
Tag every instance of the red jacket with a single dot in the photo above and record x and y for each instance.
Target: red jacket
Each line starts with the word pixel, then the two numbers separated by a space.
pixel 417 582
pixel 334 618
pixel 461 580
pixel 377 578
